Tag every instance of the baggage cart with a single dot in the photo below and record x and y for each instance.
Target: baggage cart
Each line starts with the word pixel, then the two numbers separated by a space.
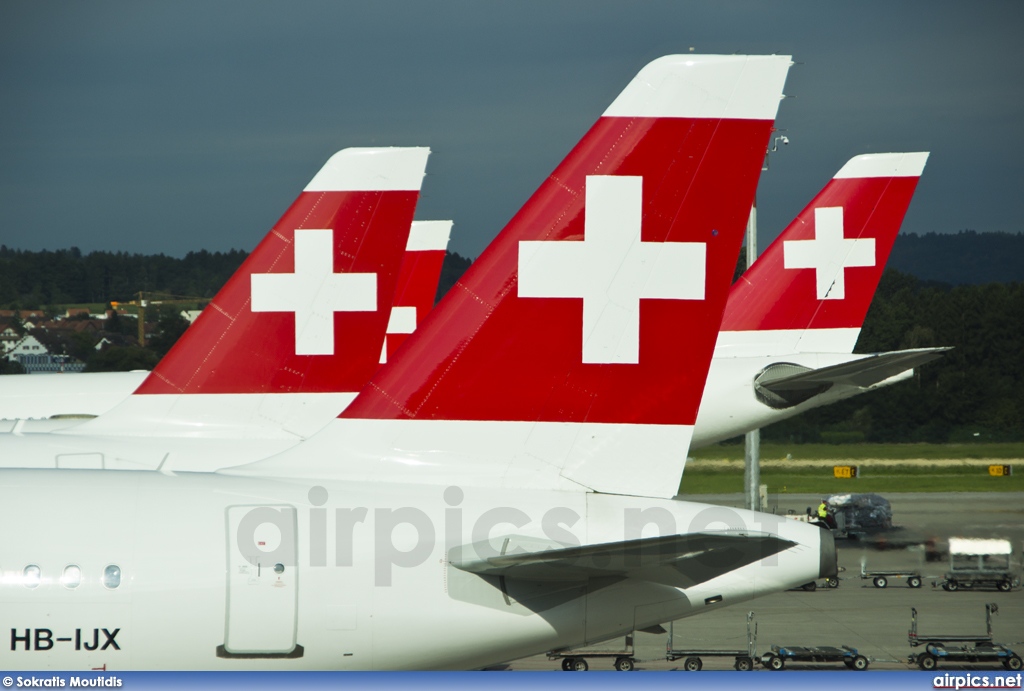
pixel 780 655
pixel 743 659
pixel 881 579
pixel 976 648
pixel 575 660
pixel 978 563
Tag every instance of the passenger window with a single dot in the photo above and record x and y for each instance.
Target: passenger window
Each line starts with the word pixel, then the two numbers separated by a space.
pixel 72 576
pixel 112 576
pixel 32 576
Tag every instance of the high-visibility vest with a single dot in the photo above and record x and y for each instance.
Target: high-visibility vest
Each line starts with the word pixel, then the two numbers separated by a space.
pixel 822 511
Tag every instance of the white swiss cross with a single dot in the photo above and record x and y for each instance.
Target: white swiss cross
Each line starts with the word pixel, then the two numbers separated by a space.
pixel 314 292
pixel 829 253
pixel 612 269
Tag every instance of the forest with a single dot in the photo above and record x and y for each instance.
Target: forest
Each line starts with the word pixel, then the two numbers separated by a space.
pixel 958 258
pixel 974 393
pixel 35 280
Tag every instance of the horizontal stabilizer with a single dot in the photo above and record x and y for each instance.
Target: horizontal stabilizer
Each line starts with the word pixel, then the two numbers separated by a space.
pixel 657 630
pixel 679 561
pixel 864 372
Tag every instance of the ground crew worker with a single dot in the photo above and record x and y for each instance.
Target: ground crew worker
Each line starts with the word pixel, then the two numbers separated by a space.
pixel 825 515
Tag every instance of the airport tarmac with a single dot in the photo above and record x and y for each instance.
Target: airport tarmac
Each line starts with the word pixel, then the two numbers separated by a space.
pixel 874 621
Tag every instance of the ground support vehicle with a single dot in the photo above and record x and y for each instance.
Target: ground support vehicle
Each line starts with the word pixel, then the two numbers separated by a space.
pixel 837 527
pixel 977 563
pixel 881 579
pixel 744 659
pixel 984 653
pixel 916 638
pixel 780 655
pixel 832 582
pixel 852 516
pixel 576 660
pixel 979 646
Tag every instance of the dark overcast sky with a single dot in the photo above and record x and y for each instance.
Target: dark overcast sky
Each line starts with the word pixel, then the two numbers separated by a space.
pixel 176 126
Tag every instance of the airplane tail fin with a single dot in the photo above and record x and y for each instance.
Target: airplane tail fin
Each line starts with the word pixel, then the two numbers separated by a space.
pixel 811 289
pixel 417 282
pixel 573 352
pixel 304 315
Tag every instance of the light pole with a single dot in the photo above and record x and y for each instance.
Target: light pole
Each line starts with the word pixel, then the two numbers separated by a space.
pixel 752 439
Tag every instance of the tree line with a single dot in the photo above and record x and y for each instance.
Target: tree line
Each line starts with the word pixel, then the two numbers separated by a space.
pixel 35 280
pixel 958 258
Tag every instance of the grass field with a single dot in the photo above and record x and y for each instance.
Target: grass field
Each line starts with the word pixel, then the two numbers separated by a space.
pixel 807 468
pixel 854 452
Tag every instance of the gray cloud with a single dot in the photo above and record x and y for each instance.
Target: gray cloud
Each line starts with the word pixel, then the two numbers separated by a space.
pixel 174 126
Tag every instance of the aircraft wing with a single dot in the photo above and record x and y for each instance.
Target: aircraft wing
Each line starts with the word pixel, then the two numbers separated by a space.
pixel 675 560
pixel 864 372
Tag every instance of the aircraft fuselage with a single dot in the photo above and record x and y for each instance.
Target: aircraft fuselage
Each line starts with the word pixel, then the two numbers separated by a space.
pixel 140 570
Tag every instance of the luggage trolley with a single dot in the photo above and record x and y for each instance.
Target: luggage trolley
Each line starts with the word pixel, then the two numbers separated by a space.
pixel 978 648
pixel 780 655
pixel 979 563
pixel 881 579
pixel 576 660
pixel 744 659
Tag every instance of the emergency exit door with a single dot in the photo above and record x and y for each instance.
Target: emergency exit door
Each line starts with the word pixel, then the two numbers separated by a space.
pixel 262 582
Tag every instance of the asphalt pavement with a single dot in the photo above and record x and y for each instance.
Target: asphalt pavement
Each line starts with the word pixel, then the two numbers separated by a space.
pixel 875 621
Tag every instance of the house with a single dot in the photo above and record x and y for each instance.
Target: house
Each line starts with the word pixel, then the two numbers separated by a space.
pixel 35 356
pixel 27 349
pixel 23 314
pixel 9 337
pixel 73 325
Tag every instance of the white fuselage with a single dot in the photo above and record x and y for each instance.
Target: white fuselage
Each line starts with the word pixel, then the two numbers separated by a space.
pixel 28 396
pixel 363 570
pixel 199 432
pixel 205 433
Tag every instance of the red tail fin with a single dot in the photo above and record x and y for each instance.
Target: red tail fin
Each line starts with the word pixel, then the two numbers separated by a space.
pixel 300 314
pixel 417 281
pixel 591 304
pixel 579 341
pixel 822 271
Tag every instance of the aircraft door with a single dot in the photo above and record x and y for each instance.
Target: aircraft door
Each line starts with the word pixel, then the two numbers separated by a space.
pixel 262 582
